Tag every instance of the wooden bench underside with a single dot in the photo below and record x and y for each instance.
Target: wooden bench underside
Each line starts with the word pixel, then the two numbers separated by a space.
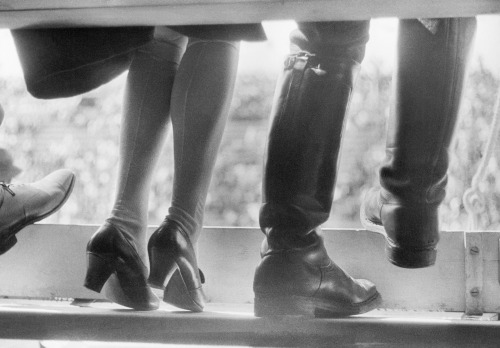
pixel 55 13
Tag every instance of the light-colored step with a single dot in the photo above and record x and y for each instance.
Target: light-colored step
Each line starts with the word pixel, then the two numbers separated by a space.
pixel 235 325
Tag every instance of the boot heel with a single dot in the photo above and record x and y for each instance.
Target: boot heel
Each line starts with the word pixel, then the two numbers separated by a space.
pixel 408 258
pixel 412 235
pixel 162 267
pixel 99 269
pixel 287 305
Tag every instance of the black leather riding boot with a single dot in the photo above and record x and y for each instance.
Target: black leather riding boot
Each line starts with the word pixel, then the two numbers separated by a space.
pixel 303 146
pixel 428 85
pixel 296 275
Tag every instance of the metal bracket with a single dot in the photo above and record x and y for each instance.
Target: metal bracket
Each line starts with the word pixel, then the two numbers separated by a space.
pixel 473 243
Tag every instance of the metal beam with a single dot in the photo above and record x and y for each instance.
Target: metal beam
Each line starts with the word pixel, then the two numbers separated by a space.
pixel 473 252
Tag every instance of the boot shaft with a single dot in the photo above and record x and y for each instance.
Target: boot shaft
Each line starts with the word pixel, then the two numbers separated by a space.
pixel 308 119
pixel 428 85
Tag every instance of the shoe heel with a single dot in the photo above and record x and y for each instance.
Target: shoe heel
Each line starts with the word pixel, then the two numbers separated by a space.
pixel 162 267
pixel 178 294
pixel 99 269
pixel 408 258
pixel 7 244
pixel 280 306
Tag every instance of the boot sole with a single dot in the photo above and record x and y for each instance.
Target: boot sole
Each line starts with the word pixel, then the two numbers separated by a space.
pixel 8 238
pixel 401 257
pixel 311 307
pixel 410 258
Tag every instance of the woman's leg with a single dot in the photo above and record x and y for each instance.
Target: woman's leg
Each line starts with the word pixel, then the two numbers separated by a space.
pixel 200 103
pixel 117 255
pixel 145 119
pixel 201 98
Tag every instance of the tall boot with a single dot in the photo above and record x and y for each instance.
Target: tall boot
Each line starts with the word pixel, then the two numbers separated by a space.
pixel 296 275
pixel 428 85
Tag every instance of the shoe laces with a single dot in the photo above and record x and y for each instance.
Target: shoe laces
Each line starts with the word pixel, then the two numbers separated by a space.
pixel 7 188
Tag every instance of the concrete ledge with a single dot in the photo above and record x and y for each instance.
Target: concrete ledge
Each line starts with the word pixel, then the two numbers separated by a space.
pixel 235 325
pixel 49 262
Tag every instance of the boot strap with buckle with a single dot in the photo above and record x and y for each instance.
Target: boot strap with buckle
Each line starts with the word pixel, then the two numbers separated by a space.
pixel 304 59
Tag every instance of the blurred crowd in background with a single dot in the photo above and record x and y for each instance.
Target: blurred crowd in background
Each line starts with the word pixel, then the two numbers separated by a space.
pixel 81 134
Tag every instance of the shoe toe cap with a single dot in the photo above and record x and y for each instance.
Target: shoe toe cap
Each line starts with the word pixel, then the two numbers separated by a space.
pixel 63 178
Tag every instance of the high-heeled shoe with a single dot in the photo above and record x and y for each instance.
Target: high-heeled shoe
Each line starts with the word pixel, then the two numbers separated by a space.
pixel 113 263
pixel 174 268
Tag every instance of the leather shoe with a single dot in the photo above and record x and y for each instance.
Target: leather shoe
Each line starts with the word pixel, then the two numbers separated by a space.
pixel 22 205
pixel 174 267
pixel 115 267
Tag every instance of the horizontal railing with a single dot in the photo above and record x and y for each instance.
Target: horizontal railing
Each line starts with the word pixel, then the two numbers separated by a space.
pixel 16 13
